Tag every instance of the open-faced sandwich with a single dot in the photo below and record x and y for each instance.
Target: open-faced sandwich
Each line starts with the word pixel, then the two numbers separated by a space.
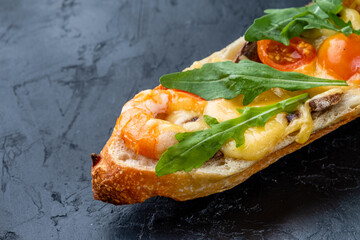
pixel 293 78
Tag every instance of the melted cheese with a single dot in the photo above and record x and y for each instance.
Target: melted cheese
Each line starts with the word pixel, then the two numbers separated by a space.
pixel 189 120
pixel 259 141
pixel 348 14
pixel 304 124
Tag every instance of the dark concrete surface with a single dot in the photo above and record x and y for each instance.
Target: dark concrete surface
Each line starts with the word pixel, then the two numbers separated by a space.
pixel 66 69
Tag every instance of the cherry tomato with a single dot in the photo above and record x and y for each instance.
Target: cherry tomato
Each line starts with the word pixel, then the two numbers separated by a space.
pixel 340 55
pixel 286 58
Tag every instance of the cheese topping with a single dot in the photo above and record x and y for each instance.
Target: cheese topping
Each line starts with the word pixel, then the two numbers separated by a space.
pixel 259 141
pixel 304 124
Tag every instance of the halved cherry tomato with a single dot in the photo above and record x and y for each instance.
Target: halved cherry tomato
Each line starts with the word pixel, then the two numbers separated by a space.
pixel 340 55
pixel 286 58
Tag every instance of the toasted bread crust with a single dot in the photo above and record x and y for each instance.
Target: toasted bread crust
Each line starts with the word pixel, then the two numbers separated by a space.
pixel 115 182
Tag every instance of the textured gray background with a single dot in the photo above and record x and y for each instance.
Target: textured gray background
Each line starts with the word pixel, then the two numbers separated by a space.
pixel 66 69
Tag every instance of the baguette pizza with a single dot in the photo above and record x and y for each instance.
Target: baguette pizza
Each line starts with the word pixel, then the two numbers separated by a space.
pixel 293 77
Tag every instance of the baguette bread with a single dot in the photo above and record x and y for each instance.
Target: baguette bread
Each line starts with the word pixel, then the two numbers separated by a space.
pixel 120 176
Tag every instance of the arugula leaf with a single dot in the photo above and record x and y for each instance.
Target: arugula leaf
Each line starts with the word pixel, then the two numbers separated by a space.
pixel 283 24
pixel 228 80
pixel 271 25
pixel 330 6
pixel 211 121
pixel 195 148
pixel 315 17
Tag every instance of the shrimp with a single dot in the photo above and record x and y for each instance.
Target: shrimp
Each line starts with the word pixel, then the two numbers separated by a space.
pixel 142 126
